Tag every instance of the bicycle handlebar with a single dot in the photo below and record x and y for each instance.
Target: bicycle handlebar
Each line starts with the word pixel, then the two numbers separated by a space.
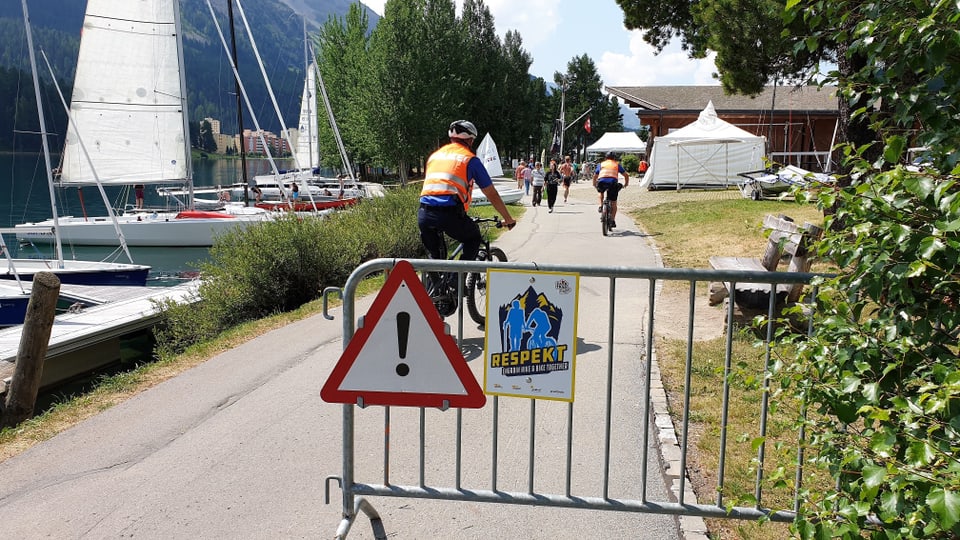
pixel 498 223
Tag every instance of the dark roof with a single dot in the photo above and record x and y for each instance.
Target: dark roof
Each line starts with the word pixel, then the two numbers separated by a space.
pixel 695 98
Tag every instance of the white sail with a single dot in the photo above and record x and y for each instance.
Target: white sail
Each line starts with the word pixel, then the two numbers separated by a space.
pixel 487 152
pixel 308 145
pixel 127 106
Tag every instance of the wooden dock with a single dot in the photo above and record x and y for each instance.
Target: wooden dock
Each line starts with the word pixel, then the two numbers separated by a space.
pixel 87 338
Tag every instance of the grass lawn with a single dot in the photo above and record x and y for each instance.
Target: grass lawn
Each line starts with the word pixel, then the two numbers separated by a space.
pixel 687 233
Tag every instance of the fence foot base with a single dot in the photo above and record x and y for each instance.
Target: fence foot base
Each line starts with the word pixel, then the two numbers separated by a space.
pixel 362 505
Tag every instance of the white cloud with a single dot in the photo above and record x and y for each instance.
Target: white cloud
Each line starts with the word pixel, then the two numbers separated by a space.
pixel 549 30
pixel 642 67
pixel 375 5
pixel 536 21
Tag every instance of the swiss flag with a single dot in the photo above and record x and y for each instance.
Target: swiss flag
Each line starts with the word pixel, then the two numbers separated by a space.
pixel 586 125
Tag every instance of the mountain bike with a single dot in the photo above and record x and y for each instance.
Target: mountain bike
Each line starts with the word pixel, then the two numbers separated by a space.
pixel 606 213
pixel 444 287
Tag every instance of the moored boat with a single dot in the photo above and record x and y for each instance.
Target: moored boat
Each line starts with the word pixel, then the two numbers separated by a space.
pixel 68 271
pixel 134 108
pixel 307 206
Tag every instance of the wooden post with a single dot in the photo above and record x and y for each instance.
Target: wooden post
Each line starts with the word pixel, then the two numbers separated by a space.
pixel 801 261
pixel 34 340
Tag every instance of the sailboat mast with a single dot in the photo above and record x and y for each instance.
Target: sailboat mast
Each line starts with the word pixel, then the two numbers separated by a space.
pixel 563 103
pixel 236 86
pixel 43 135
pixel 178 28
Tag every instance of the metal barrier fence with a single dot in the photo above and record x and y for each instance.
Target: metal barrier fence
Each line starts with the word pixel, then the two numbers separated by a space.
pixel 608 473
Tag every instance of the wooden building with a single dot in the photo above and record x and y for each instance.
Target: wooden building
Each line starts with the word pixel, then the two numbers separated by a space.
pixel 800 124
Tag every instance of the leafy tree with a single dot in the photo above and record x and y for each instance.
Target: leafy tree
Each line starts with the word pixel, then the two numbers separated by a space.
pixel 582 91
pixel 744 34
pixel 397 90
pixel 898 62
pixel 525 98
pixel 484 85
pixel 880 375
pixel 416 54
pixel 344 62
pixel 207 142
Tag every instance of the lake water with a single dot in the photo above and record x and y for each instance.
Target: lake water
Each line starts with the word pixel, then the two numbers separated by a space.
pixel 25 197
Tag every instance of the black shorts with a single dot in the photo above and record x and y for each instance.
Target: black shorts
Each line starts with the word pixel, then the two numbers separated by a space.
pixel 613 188
pixel 567 180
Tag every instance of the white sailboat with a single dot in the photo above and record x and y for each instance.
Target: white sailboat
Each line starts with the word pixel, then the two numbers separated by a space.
pixel 307 149
pixel 128 126
pixel 307 157
pixel 68 271
pixel 488 154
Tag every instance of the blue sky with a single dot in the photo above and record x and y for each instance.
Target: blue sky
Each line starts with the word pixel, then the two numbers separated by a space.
pixel 555 31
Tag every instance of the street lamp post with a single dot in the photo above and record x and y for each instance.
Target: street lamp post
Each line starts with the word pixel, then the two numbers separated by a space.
pixel 563 99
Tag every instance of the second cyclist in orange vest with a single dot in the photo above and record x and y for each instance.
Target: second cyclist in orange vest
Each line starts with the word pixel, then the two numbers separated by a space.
pixel 605 179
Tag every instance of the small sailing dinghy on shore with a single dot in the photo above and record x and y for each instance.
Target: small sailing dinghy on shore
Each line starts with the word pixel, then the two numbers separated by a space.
pixel 488 154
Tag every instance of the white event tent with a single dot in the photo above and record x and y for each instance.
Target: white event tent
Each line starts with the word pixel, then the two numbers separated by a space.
pixel 707 153
pixel 622 142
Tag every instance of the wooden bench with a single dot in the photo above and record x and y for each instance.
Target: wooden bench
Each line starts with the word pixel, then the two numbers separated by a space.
pixel 785 238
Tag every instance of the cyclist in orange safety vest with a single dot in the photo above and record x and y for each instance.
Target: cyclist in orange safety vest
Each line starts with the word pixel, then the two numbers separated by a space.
pixel 451 174
pixel 605 179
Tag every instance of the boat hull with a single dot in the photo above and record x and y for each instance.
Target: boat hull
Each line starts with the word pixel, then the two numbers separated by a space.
pixel 13 309
pixel 153 230
pixel 307 206
pixel 509 195
pixel 80 272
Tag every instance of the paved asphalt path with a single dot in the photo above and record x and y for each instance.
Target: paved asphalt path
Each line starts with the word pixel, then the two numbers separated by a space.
pixel 240 446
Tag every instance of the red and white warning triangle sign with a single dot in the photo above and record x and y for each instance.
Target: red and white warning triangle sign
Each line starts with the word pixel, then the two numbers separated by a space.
pixel 402 355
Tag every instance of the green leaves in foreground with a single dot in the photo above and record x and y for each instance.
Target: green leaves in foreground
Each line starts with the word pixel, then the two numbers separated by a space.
pixel 881 374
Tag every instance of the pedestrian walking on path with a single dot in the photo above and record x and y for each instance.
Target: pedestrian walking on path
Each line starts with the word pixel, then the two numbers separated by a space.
pixel 552 180
pixel 537 181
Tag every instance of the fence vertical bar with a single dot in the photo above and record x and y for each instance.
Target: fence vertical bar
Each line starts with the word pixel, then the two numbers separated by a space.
pixel 493 448
pixel 569 447
pixel 688 373
pixel 458 466
pixel 532 445
pixel 609 412
pixel 725 407
pixel 347 448
pixel 802 436
pixel 423 446
pixel 386 446
pixel 765 395
pixel 646 391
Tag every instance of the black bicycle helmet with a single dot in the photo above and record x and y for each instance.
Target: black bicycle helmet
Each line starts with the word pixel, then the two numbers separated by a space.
pixel 462 129
pixel 611 155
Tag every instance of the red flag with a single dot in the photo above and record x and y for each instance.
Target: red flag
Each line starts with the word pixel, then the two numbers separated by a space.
pixel 586 125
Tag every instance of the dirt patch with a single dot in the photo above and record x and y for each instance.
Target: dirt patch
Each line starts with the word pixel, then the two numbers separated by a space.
pixel 672 321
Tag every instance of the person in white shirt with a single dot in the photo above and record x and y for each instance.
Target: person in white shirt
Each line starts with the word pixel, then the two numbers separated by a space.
pixel 537 180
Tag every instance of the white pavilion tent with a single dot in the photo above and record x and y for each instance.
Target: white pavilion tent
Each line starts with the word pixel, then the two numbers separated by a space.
pixel 707 153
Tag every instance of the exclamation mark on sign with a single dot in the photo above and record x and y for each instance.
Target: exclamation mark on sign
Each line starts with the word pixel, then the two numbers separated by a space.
pixel 403 335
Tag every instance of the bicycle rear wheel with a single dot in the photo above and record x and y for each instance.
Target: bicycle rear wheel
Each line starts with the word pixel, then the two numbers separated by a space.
pixel 605 218
pixel 477 287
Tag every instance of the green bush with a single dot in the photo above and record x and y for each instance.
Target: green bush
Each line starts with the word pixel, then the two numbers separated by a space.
pixel 880 375
pixel 280 265
pixel 630 163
